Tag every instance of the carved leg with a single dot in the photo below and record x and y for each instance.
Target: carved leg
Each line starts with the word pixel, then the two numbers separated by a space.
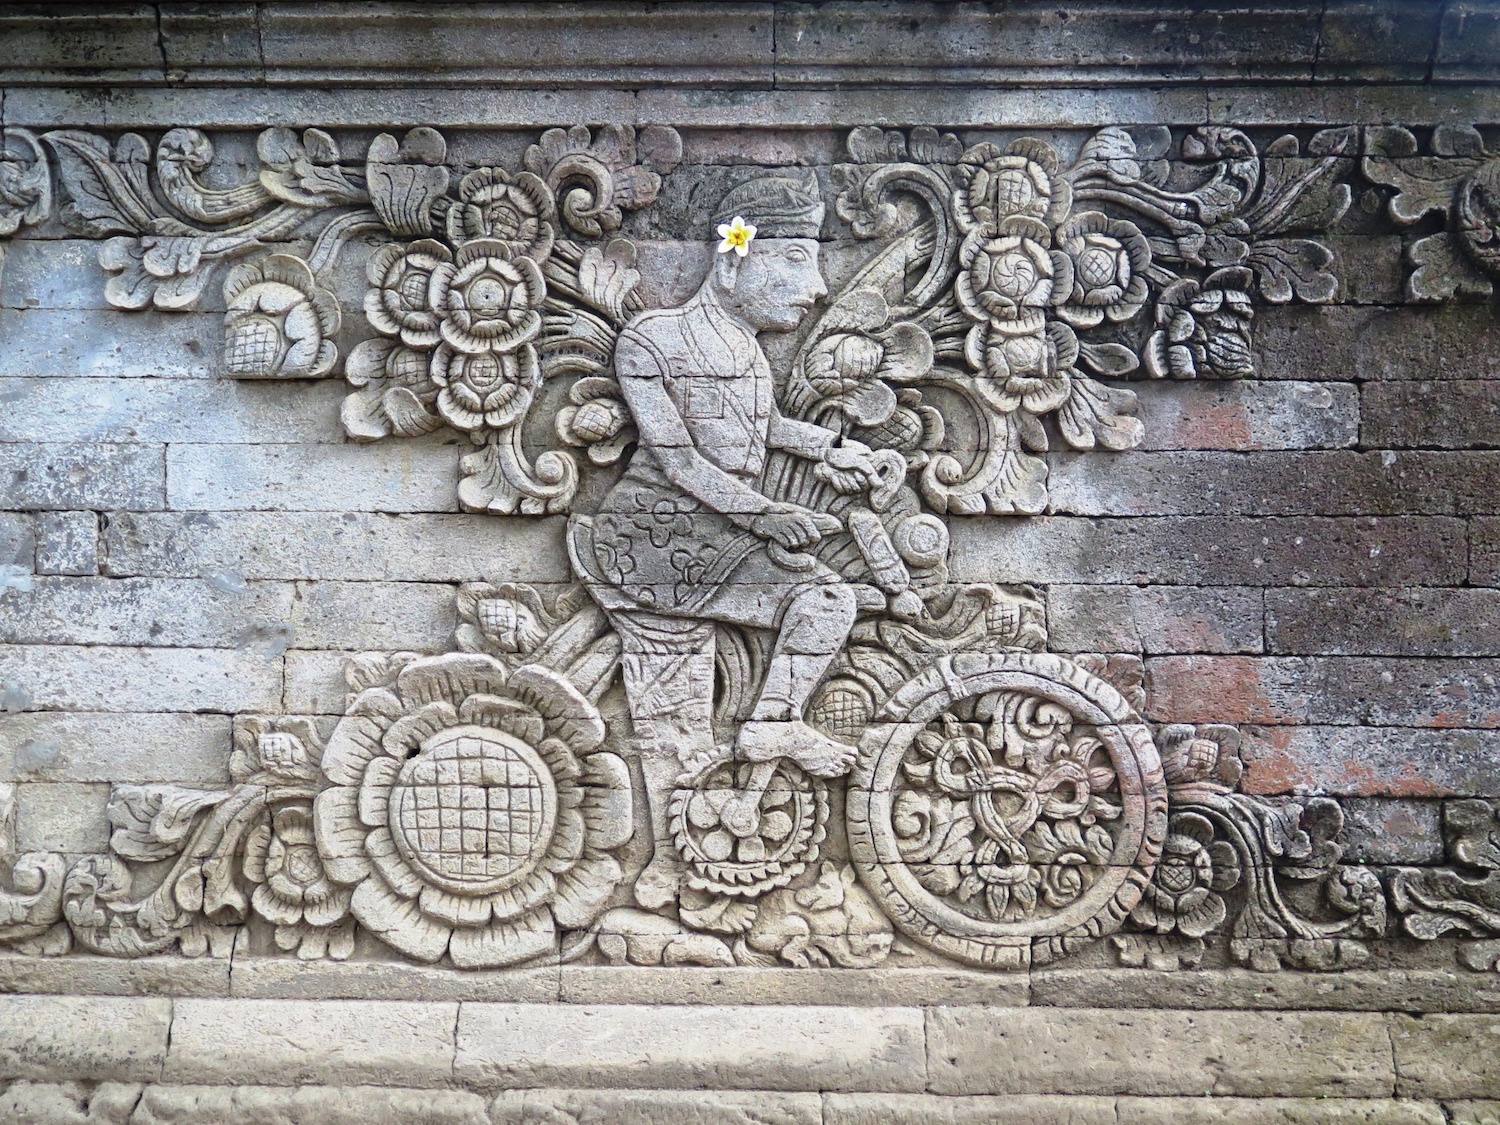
pixel 670 694
pixel 813 630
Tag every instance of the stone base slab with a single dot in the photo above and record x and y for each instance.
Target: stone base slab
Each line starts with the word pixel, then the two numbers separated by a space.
pixel 29 1103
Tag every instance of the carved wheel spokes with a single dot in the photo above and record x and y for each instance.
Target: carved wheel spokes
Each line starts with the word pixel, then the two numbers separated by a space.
pixel 1006 808
pixel 739 838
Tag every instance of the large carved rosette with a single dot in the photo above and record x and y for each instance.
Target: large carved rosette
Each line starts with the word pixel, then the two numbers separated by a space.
pixel 472 810
pixel 1007 808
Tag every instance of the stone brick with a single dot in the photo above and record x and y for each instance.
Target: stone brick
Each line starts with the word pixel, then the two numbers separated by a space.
pixel 68 1103
pixel 405 477
pixel 66 343
pixel 1385 622
pixel 1440 414
pixel 95 1038
pixel 367 615
pixel 1484 556
pixel 17 542
pixel 1375 691
pixel 653 1107
pixel 1392 831
pixel 61 817
pixel 1306 551
pixel 325 1105
pixel 1473 1113
pixel 1335 482
pixel 94 746
pixel 73 678
pixel 1154 619
pixel 1451 341
pixel 1370 268
pixel 1446 1056
pixel 61 476
pixel 291 1043
pixel 1467 42
pixel 1106 1051
pixel 351 545
pixel 315 682
pixel 1372 761
pixel 930 1109
pixel 1277 1111
pixel 87 974
pixel 1248 414
pixel 163 612
pixel 172 410
pixel 67 543
pixel 786 1047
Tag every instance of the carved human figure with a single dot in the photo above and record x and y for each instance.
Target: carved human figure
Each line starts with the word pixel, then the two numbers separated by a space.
pixel 686 539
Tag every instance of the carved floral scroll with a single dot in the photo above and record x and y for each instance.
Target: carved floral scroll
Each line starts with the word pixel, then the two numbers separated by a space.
pixel 1006 806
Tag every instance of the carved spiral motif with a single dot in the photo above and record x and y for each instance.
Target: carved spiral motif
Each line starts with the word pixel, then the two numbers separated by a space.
pixel 1006 808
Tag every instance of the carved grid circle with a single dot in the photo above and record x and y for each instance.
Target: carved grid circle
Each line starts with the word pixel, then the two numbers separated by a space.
pixel 474 812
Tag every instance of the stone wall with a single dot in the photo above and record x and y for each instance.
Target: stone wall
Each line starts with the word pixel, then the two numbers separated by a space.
pixel 1216 488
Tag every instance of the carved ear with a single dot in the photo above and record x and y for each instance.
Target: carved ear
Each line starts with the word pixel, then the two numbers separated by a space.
pixel 727 270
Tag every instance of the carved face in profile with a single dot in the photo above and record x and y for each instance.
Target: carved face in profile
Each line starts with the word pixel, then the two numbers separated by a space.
pixel 775 284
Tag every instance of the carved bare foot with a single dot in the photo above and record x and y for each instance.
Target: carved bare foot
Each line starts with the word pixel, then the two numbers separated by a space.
pixel 763 740
pixel 658 885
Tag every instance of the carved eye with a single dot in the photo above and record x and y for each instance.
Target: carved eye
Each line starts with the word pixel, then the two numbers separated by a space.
pixel 796 254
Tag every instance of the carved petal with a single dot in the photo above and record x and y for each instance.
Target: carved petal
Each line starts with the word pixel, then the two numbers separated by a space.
pixel 397 921
pixel 407 733
pixel 354 744
pixel 582 892
pixel 457 910
pixel 340 835
pixel 607 802
pixel 374 794
pixel 557 699
pixel 504 943
pixel 389 862
pixel 451 677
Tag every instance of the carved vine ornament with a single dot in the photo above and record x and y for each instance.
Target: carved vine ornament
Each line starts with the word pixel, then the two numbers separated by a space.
pixel 825 751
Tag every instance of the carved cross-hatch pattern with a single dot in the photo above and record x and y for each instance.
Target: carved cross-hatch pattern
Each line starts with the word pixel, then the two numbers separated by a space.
pixel 781 617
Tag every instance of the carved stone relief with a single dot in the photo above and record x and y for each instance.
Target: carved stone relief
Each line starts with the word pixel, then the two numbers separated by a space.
pixel 764 726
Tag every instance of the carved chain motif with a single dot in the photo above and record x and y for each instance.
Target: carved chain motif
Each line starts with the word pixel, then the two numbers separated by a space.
pixel 505 802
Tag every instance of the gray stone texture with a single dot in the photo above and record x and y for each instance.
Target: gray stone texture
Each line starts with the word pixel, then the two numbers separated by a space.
pixel 1312 552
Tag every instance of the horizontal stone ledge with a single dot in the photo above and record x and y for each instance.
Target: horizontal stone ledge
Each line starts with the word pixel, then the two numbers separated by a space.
pixel 1446 1056
pixel 51 476
pixel 104 746
pixel 1377 342
pixel 453 105
pixel 93 1038
pixel 748 42
pixel 1365 990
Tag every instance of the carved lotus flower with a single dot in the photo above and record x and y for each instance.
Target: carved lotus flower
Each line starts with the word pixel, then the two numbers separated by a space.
pixel 489 299
pixel 1110 258
pixel 292 889
pixel 1020 181
pixel 855 369
pixel 488 390
pixel 1032 373
pixel 399 303
pixel 1184 897
pixel 472 811
pixel 1009 281
pixel 278 323
pixel 515 210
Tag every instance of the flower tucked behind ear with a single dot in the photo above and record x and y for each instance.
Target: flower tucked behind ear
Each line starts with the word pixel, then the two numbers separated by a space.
pixel 737 235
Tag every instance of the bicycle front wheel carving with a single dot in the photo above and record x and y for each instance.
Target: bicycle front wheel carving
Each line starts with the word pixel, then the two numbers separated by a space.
pixel 1006 809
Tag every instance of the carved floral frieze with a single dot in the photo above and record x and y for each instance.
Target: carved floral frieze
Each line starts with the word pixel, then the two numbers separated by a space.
pixel 764 727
